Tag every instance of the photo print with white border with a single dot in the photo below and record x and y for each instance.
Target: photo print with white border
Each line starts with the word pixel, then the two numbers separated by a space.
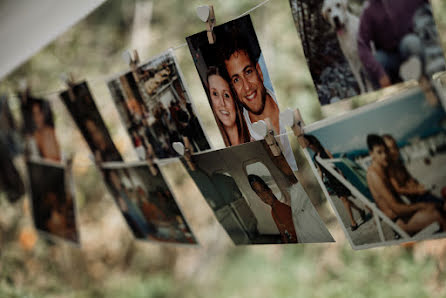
pixel 256 197
pixel 236 81
pixel 52 200
pixel 352 47
pixel 156 109
pixel 382 169
pixel 147 203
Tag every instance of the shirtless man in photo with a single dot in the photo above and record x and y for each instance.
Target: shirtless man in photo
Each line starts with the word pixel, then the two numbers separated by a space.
pixel 281 213
pixel 44 135
pixel 411 218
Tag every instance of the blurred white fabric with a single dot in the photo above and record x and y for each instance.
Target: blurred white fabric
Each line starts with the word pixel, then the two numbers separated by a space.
pixel 27 26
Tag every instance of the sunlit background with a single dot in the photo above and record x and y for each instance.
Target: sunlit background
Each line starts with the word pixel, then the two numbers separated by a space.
pixel 110 263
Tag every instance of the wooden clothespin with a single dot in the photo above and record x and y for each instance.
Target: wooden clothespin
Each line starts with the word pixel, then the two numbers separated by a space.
pixel 206 14
pixel 294 120
pixel 265 129
pixel 185 150
pixel 70 82
pixel 188 150
pixel 69 161
pixel 150 155
pixel 132 62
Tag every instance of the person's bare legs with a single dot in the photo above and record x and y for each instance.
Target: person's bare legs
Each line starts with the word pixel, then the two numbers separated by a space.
pixel 354 206
pixel 422 219
pixel 348 207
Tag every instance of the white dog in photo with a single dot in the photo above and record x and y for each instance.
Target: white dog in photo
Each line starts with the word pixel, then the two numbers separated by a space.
pixel 346 25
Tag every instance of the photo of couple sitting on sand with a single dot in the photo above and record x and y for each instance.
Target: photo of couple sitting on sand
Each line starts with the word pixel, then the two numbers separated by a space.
pixel 387 165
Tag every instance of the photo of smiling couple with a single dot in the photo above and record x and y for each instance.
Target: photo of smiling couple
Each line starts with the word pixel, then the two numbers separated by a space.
pixel 237 84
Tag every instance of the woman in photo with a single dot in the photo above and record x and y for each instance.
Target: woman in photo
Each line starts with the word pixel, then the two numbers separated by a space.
pixel 229 117
pixel 331 182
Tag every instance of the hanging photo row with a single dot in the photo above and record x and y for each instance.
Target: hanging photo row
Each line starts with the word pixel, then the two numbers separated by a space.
pixel 380 167
pixel 140 191
pixel 51 185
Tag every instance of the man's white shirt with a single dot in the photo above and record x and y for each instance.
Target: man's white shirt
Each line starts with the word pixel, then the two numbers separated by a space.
pixel 286 147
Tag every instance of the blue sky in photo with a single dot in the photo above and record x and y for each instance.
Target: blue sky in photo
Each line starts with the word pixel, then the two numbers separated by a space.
pixel 404 119
pixel 266 79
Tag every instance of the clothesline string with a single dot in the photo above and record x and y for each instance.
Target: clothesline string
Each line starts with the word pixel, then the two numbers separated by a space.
pixel 167 161
pixel 175 48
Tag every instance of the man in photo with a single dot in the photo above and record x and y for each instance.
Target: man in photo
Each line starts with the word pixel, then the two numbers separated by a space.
pixel 53 205
pixel 81 105
pixel 388 25
pixel 281 213
pixel 44 134
pixel 155 98
pixel 104 150
pixel 411 218
pixel 134 217
pixel 246 78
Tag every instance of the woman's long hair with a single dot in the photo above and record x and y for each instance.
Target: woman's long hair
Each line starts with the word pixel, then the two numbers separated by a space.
pixel 317 145
pixel 242 128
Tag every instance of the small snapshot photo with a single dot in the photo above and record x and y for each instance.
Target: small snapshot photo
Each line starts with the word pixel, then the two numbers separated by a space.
pixel 255 196
pixel 40 136
pixel 352 47
pixel 383 169
pixel 9 129
pixel 52 197
pixel 80 103
pixel 236 80
pixel 147 203
pixel 11 182
pixel 156 109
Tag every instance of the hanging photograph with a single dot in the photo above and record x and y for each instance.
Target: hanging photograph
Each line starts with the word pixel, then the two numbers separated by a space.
pixel 40 136
pixel 255 196
pixel 146 202
pixel 236 80
pixel 80 103
pixel 11 182
pixel 354 46
pixel 52 200
pixel 382 169
pixel 156 109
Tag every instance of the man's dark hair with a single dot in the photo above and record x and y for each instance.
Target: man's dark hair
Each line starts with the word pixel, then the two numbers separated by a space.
pixel 45 109
pixel 183 116
pixel 374 140
pixel 254 178
pixel 235 42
